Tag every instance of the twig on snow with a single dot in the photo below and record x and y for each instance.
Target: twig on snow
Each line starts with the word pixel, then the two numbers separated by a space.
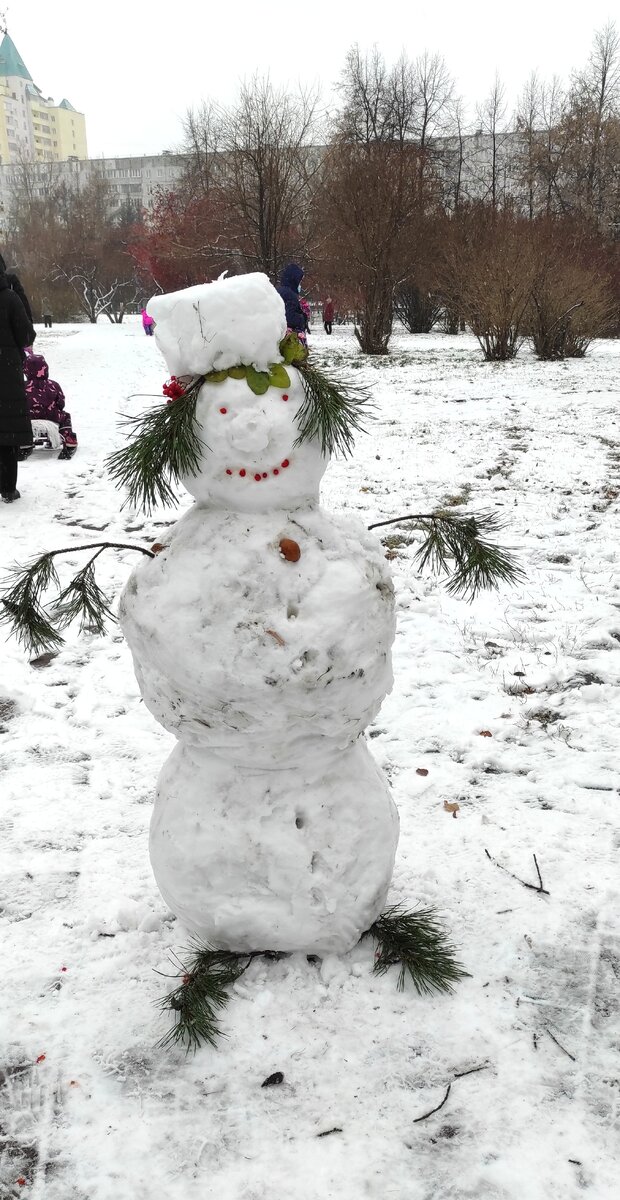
pixel 538 873
pixel 459 1075
pixel 542 891
pixel 406 517
pixel 434 1110
pixel 560 1046
pixel 472 1071
pixel 326 1132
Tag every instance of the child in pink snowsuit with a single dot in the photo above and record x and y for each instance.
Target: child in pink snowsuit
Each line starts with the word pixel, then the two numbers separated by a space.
pixel 148 323
pixel 46 402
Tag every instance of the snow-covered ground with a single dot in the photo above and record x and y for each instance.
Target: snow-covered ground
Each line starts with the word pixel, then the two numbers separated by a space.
pixel 508 706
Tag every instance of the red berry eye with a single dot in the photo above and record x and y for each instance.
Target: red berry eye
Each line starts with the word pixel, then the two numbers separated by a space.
pixel 285 397
pixel 264 474
pixel 285 463
pixel 276 471
pixel 242 472
pixel 228 471
pixel 223 410
pixel 258 478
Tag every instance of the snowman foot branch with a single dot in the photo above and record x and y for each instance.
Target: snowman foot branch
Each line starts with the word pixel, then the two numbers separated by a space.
pixel 462 547
pixel 418 943
pixel 38 626
pixel 203 991
pixel 414 941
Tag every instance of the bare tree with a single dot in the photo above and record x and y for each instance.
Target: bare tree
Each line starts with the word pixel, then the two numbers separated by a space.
pixel 453 167
pixel 406 102
pixel 371 97
pixel 528 118
pixel 597 94
pixel 202 135
pixel 492 117
pixel 434 87
pixel 269 172
pixel 553 144
pixel 374 201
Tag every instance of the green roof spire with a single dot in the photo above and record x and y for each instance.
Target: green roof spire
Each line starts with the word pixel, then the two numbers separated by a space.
pixel 12 63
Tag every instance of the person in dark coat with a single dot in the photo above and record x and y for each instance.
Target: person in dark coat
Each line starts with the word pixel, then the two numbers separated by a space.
pixel 15 286
pixel 289 289
pixel 16 333
pixel 328 314
pixel 46 402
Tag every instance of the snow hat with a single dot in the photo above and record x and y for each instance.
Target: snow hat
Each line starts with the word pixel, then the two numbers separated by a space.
pixel 35 367
pixel 291 277
pixel 229 323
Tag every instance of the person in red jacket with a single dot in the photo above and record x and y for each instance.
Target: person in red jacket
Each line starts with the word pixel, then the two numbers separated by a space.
pixel 328 314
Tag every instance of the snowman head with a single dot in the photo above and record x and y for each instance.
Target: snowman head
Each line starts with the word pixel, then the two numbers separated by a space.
pixel 251 461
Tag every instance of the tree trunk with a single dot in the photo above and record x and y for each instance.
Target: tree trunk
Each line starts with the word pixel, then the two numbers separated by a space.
pixel 375 328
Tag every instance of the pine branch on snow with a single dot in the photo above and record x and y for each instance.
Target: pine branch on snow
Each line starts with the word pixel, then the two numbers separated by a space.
pixel 203 991
pixel 418 943
pixel 415 941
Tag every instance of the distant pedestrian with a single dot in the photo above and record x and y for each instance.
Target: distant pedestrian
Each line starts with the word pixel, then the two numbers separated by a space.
pixel 289 289
pixel 47 315
pixel 16 332
pixel 328 314
pixel 148 323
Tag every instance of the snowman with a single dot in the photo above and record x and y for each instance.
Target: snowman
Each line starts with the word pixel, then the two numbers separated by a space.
pixel 261 635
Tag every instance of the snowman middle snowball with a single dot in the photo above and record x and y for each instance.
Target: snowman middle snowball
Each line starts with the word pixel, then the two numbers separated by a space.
pixel 273 828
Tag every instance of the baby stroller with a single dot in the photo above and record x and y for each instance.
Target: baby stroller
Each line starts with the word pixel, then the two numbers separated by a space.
pixel 51 423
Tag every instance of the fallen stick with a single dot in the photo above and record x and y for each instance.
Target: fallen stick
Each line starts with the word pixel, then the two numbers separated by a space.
pixel 472 1071
pixel 560 1046
pixel 542 891
pixel 434 1110
pixel 460 1075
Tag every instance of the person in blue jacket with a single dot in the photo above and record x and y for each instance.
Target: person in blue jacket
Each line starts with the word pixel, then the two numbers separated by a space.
pixel 289 289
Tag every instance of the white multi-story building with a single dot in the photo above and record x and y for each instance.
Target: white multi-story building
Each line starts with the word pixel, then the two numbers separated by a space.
pixel 132 181
pixel 466 167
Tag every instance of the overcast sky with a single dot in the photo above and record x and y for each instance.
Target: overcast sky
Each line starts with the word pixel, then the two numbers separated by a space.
pixel 134 66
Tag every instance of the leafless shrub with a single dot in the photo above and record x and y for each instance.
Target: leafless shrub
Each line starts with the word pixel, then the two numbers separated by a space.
pixel 416 308
pixel 572 296
pixel 489 269
pixel 373 202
